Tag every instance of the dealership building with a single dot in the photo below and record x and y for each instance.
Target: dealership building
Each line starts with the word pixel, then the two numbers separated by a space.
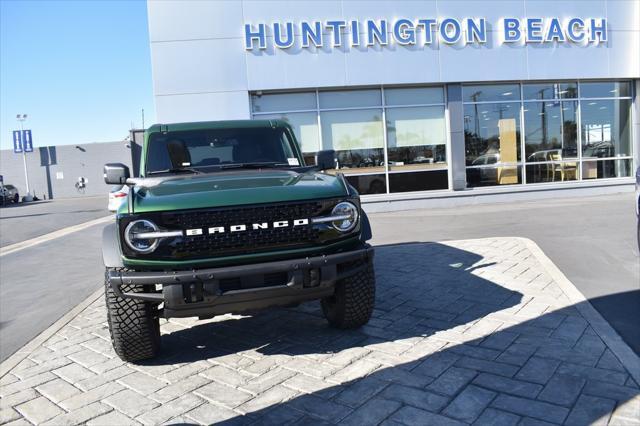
pixel 423 101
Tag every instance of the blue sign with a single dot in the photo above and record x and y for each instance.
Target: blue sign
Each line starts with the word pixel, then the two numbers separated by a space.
pixel 28 142
pixel 403 31
pixel 17 141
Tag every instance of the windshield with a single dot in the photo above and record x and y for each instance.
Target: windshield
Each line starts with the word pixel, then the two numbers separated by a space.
pixel 210 149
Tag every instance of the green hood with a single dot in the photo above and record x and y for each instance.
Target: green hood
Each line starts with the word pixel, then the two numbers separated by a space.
pixel 232 188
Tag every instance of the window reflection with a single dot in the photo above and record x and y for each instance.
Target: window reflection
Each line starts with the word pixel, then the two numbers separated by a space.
pixel 305 127
pixel 368 184
pixel 550 131
pixel 283 102
pixel 416 138
pixel 492 133
pixel 491 92
pixel 605 89
pixel 540 91
pixel 605 128
pixel 357 138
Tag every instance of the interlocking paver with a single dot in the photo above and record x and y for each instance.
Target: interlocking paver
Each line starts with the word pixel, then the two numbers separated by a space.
pixel 208 413
pixel 80 415
pixel 415 397
pixel 39 410
pixel 223 394
pixel 112 418
pixel 527 407
pixel 372 412
pixel 130 403
pixel 590 410
pixel 507 385
pixel 463 332
pixel 142 383
pixel 469 404
pixel 58 390
pixel 538 370
pixel 493 417
pixel 415 416
pixel 170 410
pixel 562 389
pixel 452 381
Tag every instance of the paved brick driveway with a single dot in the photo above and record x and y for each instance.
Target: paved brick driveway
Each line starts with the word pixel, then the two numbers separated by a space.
pixel 464 332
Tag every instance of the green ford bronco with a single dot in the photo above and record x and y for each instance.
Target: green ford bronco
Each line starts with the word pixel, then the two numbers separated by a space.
pixel 227 218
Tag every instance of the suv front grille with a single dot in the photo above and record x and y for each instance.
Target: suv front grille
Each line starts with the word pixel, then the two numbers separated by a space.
pixel 243 242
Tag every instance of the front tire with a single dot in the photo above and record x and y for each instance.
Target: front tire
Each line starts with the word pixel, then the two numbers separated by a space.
pixel 352 303
pixel 133 324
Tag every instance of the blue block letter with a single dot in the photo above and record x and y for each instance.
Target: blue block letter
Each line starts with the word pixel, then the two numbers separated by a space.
pixel 444 33
pixel 476 31
pixel 250 36
pixel 512 31
pixel 571 30
pixel 404 32
pixel 277 35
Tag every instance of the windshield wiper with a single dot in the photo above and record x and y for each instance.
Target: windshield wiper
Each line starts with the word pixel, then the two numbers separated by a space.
pixel 253 165
pixel 175 170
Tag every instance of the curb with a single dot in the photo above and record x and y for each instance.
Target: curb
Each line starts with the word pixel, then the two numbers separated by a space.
pixel 609 336
pixel 7 365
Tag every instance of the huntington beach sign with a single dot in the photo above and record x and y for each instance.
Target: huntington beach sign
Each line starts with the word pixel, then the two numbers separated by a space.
pixel 382 32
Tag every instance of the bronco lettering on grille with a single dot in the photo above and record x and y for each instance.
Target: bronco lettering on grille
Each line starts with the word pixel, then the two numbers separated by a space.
pixel 243 227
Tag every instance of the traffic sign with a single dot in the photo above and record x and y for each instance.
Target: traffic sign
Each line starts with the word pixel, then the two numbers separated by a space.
pixel 17 141
pixel 28 142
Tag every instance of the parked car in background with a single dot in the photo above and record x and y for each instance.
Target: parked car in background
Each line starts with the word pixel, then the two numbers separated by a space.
pixel 117 196
pixel 9 194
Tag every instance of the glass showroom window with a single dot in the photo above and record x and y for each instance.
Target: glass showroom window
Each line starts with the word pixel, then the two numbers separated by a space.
pixel 359 124
pixel 351 124
pixel 570 130
pixel 416 139
pixel 492 135
pixel 283 106
pixel 551 132
pixel 606 129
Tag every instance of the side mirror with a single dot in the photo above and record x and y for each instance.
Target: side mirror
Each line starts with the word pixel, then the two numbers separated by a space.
pixel 326 159
pixel 116 174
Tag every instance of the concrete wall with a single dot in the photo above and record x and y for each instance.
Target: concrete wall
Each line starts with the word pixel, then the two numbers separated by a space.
pixel 201 70
pixel 53 171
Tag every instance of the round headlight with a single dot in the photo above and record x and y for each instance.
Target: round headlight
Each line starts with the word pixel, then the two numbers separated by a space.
pixel 141 245
pixel 348 214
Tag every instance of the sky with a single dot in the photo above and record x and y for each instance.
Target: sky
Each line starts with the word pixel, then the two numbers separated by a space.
pixel 80 70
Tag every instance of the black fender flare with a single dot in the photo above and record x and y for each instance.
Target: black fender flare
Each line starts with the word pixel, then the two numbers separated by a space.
pixel 111 254
pixel 365 227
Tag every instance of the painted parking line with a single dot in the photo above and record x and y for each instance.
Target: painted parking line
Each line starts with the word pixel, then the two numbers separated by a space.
pixel 52 235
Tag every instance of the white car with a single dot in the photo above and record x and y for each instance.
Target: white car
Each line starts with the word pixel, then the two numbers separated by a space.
pixel 117 196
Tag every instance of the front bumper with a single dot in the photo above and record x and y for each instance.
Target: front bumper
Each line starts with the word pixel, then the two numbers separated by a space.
pixel 202 292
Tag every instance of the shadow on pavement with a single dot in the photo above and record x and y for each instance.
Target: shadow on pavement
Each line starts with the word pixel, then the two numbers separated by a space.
pixel 428 356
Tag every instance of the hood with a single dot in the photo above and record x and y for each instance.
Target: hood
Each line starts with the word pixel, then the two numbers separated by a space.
pixel 232 188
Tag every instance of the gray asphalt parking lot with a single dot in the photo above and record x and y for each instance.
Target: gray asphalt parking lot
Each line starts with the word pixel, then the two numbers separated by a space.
pixel 474 331
pixel 22 221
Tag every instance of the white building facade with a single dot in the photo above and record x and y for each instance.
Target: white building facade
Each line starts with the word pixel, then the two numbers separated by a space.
pixel 418 98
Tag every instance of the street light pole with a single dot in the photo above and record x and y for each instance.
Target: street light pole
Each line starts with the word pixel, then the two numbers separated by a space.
pixel 21 118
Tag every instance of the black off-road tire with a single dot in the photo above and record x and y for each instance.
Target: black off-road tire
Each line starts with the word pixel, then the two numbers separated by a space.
pixel 133 324
pixel 352 303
